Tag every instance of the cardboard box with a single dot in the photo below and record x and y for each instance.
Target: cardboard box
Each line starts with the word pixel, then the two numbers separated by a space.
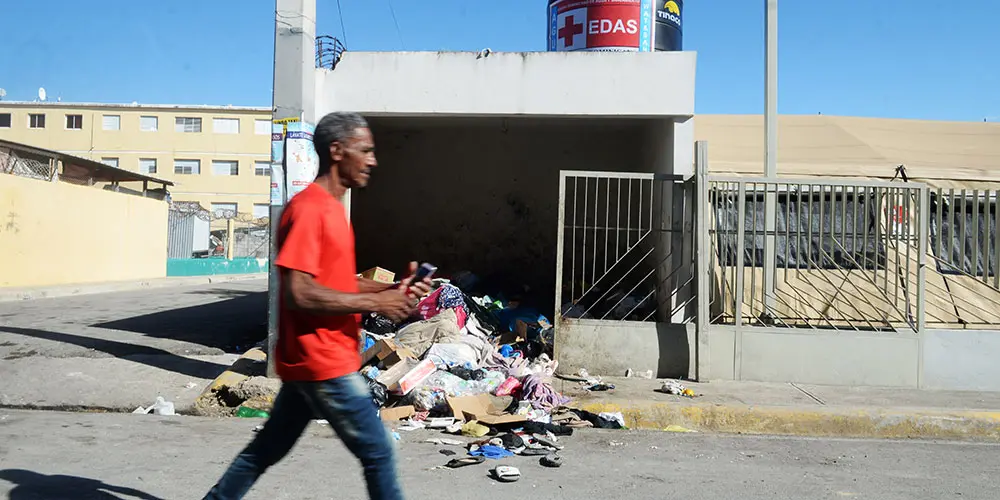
pixel 397 413
pixel 481 409
pixel 390 377
pixel 414 377
pixel 380 275
pixel 387 352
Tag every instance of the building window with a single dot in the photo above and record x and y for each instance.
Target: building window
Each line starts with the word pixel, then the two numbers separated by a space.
pixel 4 120
pixel 111 162
pixel 224 210
pixel 226 125
pixel 225 168
pixel 964 233
pixel 112 122
pixel 187 167
pixel 74 122
pixel 149 123
pixel 262 168
pixel 36 121
pixel 813 230
pixel 261 210
pixel 147 166
pixel 262 127
pixel 185 124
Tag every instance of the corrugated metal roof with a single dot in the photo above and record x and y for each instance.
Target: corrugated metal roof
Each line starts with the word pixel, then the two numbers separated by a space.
pixel 76 167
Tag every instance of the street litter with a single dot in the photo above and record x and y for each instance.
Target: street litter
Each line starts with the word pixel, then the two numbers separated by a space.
pixel 245 412
pixel 677 428
pixel 190 385
pixel 676 388
pixel 506 473
pixel 445 442
pixel 160 407
pixel 411 425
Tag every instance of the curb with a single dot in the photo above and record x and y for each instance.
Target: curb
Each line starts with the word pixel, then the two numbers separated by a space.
pixel 13 295
pixel 802 421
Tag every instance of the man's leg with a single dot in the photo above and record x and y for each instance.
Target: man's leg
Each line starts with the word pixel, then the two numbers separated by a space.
pixel 346 403
pixel 289 417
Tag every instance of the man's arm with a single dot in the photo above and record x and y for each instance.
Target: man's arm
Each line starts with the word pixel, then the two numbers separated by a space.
pixel 302 292
pixel 366 285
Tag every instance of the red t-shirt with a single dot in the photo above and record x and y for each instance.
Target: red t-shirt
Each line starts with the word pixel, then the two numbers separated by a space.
pixel 315 237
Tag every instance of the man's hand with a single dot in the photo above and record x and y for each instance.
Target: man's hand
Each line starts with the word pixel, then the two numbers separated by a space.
pixel 395 304
pixel 416 290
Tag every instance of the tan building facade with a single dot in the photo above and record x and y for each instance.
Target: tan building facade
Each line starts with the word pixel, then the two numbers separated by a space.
pixel 217 156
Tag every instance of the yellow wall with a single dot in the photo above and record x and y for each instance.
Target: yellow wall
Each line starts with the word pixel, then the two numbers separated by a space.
pixel 130 143
pixel 54 233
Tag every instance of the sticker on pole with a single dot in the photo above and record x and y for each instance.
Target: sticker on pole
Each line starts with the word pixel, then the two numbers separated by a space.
pixel 277 185
pixel 301 162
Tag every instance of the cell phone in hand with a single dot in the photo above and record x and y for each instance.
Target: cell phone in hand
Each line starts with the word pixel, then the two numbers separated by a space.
pixel 425 271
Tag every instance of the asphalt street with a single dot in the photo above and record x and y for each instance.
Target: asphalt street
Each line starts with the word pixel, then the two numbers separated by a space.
pixel 107 456
pixel 119 350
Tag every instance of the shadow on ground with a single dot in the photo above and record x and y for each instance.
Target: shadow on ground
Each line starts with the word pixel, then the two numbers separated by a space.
pixel 146 355
pixel 233 325
pixel 32 485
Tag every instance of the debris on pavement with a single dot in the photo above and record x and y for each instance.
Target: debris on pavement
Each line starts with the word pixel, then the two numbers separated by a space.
pixel 676 388
pixel 506 473
pixel 247 412
pixel 160 407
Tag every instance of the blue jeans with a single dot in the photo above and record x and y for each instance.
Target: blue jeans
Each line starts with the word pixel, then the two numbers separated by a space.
pixel 346 403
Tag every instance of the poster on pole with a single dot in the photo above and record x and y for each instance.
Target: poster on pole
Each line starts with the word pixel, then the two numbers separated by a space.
pixel 277 170
pixel 301 162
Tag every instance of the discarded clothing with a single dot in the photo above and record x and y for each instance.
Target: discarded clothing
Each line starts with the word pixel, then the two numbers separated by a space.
pixel 378 324
pixel 451 297
pixel 598 421
pixel 540 428
pixel 540 393
pixel 490 451
pixel 420 336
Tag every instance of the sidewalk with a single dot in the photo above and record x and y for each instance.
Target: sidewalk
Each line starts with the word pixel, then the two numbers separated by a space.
pixel 798 409
pixel 50 292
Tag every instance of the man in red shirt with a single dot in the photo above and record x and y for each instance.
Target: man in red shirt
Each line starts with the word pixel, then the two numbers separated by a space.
pixel 317 356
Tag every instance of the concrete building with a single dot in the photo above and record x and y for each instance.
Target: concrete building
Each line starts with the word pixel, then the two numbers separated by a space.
pixel 217 156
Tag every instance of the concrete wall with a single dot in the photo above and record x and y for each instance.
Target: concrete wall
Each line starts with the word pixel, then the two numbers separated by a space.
pixel 481 194
pixel 632 84
pixel 53 233
pixel 962 360
pixel 611 347
pixel 129 144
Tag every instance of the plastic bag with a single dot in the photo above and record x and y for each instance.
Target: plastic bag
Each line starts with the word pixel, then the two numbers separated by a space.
pixel 378 324
pixel 448 355
pixel 380 394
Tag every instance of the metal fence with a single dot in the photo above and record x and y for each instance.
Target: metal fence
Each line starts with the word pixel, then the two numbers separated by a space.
pixel 194 232
pixel 622 254
pixel 831 255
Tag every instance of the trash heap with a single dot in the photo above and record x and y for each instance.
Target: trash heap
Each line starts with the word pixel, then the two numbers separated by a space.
pixel 458 350
pixel 476 367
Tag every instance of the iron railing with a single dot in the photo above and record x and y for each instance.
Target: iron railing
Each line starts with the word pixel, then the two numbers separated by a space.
pixel 622 255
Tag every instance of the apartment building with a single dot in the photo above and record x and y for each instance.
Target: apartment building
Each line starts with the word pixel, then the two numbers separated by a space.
pixel 217 156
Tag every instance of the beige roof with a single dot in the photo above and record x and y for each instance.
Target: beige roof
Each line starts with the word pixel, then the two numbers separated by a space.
pixel 943 154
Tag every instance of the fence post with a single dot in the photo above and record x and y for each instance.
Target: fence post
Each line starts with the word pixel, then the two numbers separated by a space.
pixel 923 228
pixel 703 273
pixel 230 239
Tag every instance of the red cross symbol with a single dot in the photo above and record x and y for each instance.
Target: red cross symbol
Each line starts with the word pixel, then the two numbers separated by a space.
pixel 569 30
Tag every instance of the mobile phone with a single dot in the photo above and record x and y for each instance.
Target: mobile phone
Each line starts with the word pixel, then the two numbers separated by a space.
pixel 423 272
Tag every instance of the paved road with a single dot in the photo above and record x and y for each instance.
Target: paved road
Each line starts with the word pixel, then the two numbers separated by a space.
pixel 123 349
pixel 104 456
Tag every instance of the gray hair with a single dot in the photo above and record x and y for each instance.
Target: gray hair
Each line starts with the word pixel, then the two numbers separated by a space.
pixel 335 127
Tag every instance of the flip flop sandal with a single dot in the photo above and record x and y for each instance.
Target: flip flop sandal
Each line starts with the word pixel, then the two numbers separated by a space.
pixel 553 461
pixel 506 473
pixel 535 452
pixel 464 462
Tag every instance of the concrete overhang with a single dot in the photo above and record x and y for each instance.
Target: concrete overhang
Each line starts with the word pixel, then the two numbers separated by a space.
pixel 585 84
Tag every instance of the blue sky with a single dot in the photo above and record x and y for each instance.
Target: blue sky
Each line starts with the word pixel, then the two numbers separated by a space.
pixel 888 58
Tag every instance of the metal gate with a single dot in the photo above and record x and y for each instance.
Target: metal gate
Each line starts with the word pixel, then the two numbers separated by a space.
pixel 625 249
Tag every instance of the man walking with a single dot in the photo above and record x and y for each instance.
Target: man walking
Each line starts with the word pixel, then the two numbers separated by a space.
pixel 317 356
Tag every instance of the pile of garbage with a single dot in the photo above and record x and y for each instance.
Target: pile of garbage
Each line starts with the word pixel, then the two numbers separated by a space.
pixel 457 348
pixel 473 366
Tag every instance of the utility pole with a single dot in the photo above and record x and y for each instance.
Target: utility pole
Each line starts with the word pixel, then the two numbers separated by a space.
pixel 770 152
pixel 294 98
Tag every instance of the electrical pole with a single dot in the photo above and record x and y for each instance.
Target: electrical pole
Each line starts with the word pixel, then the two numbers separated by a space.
pixel 770 152
pixel 293 98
